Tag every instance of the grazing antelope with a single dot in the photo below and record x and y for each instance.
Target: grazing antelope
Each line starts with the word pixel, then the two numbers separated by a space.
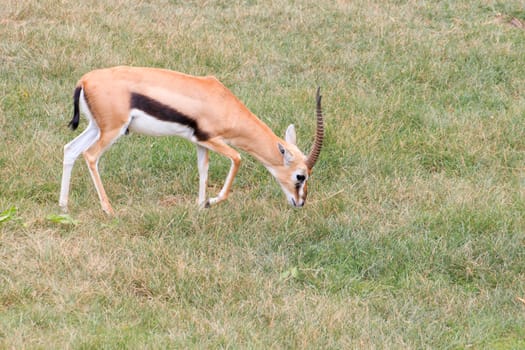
pixel 160 102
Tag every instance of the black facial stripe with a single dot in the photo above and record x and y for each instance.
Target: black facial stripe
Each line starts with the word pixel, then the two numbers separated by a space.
pixel 166 113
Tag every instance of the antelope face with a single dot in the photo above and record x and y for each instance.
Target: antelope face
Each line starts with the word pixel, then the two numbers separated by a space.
pixel 293 175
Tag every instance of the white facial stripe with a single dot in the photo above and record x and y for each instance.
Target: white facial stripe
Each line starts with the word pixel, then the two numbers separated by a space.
pixel 301 190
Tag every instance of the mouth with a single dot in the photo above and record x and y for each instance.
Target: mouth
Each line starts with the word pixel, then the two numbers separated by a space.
pixel 295 204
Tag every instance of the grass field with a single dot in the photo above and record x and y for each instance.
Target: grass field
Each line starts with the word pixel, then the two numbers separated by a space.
pixel 413 236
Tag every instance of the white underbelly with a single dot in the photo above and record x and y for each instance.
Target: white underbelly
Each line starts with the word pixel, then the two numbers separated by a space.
pixel 143 123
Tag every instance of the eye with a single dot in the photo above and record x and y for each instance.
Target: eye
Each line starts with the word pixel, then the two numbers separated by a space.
pixel 300 178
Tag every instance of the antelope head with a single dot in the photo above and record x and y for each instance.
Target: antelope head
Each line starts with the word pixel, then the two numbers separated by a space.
pixel 296 168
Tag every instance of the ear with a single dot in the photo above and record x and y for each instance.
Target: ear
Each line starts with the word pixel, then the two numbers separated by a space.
pixel 287 156
pixel 290 135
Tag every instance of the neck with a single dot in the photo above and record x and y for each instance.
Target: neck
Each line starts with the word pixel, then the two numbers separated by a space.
pixel 256 138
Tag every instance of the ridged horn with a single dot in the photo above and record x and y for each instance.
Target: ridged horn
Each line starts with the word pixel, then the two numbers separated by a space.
pixel 319 133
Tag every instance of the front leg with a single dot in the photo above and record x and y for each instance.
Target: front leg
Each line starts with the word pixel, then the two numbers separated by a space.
pixel 203 164
pixel 221 147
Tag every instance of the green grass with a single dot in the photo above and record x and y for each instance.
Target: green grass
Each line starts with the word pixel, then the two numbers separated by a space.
pixel 413 235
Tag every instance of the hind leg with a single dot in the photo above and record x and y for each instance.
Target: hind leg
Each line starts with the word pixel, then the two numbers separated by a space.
pixel 92 156
pixel 71 152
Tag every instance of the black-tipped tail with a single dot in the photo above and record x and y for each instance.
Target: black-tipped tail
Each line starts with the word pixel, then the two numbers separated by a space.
pixel 73 124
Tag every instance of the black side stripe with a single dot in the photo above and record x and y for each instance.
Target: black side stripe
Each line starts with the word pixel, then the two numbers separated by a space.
pixel 166 113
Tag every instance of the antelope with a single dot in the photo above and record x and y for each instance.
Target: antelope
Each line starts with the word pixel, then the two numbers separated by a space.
pixel 160 102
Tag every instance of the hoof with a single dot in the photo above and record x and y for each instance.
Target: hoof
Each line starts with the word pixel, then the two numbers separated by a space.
pixel 205 205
